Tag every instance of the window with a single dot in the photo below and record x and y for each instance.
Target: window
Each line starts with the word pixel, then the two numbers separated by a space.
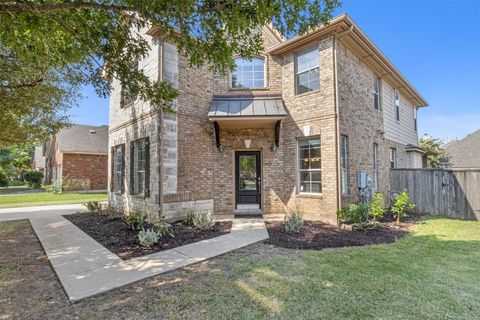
pixel 118 161
pixel 377 94
pixel 344 163
pixel 415 123
pixel 307 71
pixel 128 97
pixel 375 167
pixel 139 167
pixel 397 105
pixel 249 73
pixel 309 166
pixel 393 158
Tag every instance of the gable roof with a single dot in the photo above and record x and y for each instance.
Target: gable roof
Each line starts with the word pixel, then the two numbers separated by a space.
pixel 83 139
pixel 464 153
pixel 350 34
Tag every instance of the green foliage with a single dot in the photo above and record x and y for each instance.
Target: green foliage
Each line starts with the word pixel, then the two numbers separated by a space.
pixel 53 188
pixel 189 219
pixel 93 206
pixel 377 207
pixel 3 180
pixel 33 178
pixel 15 183
pixel 401 204
pixel 136 219
pixel 293 220
pixel 148 237
pixel 163 228
pixel 203 221
pixel 355 213
pixel 50 48
pixel 436 156
pixel 16 158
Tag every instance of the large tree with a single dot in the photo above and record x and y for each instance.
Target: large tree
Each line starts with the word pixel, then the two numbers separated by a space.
pixel 436 155
pixel 69 41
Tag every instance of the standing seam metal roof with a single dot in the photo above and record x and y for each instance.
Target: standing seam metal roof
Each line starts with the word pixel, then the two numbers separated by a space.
pixel 247 107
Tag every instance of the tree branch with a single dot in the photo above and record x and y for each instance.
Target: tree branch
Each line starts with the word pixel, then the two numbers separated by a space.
pixel 15 7
pixel 23 85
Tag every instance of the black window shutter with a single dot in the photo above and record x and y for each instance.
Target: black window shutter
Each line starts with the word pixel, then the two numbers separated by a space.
pixel 147 167
pixel 112 169
pixel 132 167
pixel 122 185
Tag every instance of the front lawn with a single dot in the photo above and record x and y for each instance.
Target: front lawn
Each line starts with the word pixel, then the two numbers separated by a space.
pixel 44 199
pixel 431 274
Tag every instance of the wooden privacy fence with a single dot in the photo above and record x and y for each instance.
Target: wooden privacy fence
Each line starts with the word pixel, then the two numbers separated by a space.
pixel 453 193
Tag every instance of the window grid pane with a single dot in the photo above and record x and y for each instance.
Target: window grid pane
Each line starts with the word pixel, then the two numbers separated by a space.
pixel 249 73
pixel 307 71
pixel 309 157
pixel 344 164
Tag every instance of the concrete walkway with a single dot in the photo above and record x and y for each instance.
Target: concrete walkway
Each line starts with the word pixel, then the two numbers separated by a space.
pixel 39 211
pixel 86 268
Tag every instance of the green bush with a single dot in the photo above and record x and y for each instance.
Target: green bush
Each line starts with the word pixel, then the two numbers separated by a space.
pixel 53 188
pixel 189 217
pixel 136 219
pixel 93 206
pixel 33 178
pixel 293 220
pixel 377 209
pixel 355 213
pixel 163 228
pixel 401 204
pixel 3 180
pixel 15 183
pixel 203 221
pixel 148 237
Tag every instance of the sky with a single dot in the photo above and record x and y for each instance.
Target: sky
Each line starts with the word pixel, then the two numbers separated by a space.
pixel 434 43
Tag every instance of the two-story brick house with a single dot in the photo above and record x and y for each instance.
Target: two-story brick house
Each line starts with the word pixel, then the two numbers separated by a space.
pixel 291 127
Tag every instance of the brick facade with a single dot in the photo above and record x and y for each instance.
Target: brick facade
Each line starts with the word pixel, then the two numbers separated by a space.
pixel 88 170
pixel 195 174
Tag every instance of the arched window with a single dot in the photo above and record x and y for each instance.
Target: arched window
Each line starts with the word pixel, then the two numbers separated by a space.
pixel 249 73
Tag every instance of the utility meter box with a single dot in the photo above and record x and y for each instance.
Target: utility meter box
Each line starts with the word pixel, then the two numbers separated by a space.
pixel 362 179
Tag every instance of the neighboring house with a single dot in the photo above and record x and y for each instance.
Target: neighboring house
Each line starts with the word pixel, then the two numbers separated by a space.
pixel 293 127
pixel 464 153
pixel 77 158
pixel 38 160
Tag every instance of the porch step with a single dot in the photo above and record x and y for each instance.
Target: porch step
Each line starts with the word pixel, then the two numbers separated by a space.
pixel 248 215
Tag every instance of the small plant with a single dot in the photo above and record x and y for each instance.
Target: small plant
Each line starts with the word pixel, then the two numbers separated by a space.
pixel 136 219
pixel 93 206
pixel 355 213
pixel 148 237
pixel 189 217
pixel 33 178
pixel 401 204
pixel 3 180
pixel 293 220
pixel 163 228
pixel 203 221
pixel 53 188
pixel 377 209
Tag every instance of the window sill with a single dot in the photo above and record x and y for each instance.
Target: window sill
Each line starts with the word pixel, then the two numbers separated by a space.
pixel 309 195
pixel 128 105
pixel 249 89
pixel 306 93
pixel 138 196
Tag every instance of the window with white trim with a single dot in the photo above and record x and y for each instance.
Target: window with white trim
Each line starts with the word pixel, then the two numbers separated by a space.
pixel 307 71
pixel 415 123
pixel 397 105
pixel 249 73
pixel 344 163
pixel 309 166
pixel 393 158
pixel 375 167
pixel 377 93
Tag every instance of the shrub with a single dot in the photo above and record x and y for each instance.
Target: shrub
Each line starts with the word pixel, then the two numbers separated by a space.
pixel 377 209
pixel 53 188
pixel 203 221
pixel 401 204
pixel 136 219
pixel 33 178
pixel 15 183
pixel 162 228
pixel 3 180
pixel 189 217
pixel 148 237
pixel 93 206
pixel 293 220
pixel 355 213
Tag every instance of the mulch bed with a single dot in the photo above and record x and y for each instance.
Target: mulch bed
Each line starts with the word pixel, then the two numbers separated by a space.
pixel 116 236
pixel 316 235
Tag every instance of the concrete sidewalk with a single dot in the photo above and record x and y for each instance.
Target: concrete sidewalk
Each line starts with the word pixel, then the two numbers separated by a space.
pixel 86 268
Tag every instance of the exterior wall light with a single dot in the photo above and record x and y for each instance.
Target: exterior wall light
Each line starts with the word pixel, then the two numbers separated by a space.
pixel 274 147
pixel 220 148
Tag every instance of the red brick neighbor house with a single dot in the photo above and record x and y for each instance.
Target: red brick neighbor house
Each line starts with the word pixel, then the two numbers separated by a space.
pixel 77 158
pixel 311 122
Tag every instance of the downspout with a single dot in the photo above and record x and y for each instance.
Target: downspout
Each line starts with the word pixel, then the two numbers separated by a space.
pixel 337 117
pixel 160 134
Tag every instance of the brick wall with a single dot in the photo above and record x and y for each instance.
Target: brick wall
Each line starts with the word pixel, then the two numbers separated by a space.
pixel 85 172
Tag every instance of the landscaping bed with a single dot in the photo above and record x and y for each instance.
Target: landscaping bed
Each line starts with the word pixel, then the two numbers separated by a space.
pixel 117 237
pixel 316 235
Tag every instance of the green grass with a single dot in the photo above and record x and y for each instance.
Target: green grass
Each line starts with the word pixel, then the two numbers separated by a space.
pixel 44 199
pixel 432 274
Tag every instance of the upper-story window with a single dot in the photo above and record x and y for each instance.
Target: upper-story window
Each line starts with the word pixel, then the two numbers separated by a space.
pixel 377 93
pixel 415 123
pixel 249 74
pixel 307 71
pixel 397 105
pixel 128 97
